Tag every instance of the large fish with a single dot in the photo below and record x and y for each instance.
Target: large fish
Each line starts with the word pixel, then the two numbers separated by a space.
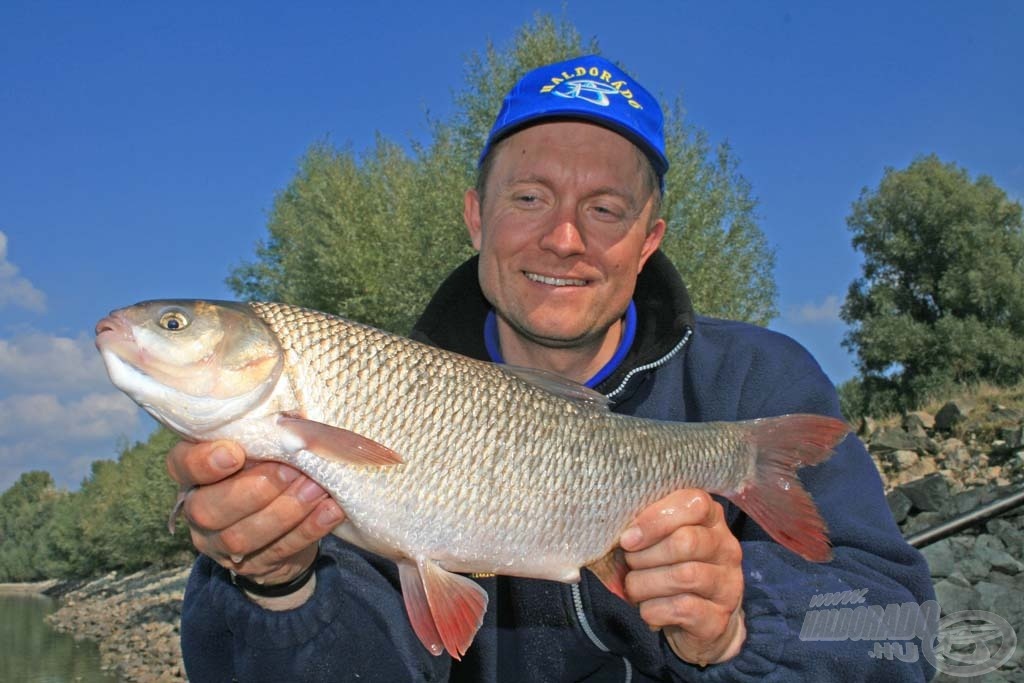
pixel 447 464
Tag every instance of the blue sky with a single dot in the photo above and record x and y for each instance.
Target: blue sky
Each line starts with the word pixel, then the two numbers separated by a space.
pixel 142 144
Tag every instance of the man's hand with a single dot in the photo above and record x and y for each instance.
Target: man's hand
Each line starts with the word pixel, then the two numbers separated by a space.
pixel 685 576
pixel 262 520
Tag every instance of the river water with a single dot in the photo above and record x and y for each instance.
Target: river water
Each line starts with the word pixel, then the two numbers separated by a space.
pixel 32 652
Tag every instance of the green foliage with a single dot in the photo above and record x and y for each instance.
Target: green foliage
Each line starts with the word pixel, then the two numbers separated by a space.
pixel 117 520
pixel 940 301
pixel 25 508
pixel 371 237
pixel 713 237
pixel 368 238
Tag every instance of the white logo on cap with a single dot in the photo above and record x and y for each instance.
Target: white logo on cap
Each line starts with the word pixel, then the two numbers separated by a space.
pixel 594 92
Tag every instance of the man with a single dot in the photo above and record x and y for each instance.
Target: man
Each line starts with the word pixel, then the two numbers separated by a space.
pixel 565 216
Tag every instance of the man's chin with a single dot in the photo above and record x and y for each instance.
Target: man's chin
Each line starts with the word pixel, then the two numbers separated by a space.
pixel 553 337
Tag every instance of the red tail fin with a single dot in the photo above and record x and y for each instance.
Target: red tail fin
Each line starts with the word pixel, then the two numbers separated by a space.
pixel 774 497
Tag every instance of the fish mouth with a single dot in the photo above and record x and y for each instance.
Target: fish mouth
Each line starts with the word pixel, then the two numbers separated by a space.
pixel 112 329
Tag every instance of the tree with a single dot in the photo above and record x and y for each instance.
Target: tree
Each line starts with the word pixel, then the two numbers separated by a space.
pixel 122 511
pixel 940 300
pixel 118 518
pixel 25 508
pixel 371 236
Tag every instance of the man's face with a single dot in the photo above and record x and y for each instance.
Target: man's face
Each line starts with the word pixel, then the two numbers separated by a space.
pixel 564 229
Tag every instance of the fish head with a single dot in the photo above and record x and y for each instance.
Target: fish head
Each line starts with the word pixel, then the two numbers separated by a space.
pixel 194 365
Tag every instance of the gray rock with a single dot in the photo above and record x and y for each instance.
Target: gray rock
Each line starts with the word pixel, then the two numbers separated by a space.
pixel 941 561
pixel 929 494
pixel 953 598
pixel 962 545
pixel 899 504
pixel 955 453
pixel 993 597
pixel 1002 600
pixel 986 543
pixel 896 440
pixel 957 578
pixel 922 521
pixel 1009 533
pixel 965 501
pixel 918 469
pixel 950 415
pixel 904 459
pixel 918 418
pixel 974 568
pixel 1012 582
pixel 1006 563
pixel 991 550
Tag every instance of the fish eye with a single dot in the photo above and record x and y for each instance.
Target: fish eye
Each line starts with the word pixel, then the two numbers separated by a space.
pixel 174 321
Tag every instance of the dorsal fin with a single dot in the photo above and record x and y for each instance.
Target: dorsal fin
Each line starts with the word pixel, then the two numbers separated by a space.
pixel 558 385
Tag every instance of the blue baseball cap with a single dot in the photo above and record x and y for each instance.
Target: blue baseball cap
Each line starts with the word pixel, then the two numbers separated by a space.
pixel 589 89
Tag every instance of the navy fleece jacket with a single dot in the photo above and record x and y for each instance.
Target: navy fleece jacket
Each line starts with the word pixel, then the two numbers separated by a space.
pixel 682 367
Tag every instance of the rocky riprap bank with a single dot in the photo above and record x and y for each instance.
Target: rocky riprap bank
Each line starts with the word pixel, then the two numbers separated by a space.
pixel 939 466
pixel 134 618
pixel 935 467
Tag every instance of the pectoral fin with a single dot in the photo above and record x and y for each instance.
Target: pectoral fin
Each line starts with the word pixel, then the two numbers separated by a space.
pixel 335 443
pixel 445 609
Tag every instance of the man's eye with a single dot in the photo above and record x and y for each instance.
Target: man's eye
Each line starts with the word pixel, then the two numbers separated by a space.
pixel 607 212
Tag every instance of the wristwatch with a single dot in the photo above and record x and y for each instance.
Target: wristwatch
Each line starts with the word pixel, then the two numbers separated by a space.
pixel 276 590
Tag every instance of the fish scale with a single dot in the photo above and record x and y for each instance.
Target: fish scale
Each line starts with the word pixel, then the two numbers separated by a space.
pixel 448 464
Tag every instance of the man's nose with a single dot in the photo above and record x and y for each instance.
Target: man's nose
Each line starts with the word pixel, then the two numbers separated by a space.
pixel 564 236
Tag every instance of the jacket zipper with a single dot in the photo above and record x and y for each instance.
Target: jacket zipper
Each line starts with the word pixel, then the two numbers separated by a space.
pixel 652 365
pixel 577 601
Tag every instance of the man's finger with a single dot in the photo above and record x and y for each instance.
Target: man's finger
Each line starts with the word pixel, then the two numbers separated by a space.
pixel 685 544
pixel 317 524
pixel 285 557
pixel 273 521
pixel 699 617
pixel 199 464
pixel 657 521
pixel 218 506
pixel 701 579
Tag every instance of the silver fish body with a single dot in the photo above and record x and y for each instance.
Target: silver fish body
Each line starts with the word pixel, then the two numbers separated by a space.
pixel 444 463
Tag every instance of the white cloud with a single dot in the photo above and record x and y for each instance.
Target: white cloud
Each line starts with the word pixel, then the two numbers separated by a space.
pixel 825 312
pixel 58 410
pixel 95 416
pixel 38 362
pixel 14 289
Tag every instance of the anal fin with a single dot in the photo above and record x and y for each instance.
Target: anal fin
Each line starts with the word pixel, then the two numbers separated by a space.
pixel 445 609
pixel 612 569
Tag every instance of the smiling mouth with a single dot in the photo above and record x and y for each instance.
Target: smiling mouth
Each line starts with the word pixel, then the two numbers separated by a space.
pixel 555 281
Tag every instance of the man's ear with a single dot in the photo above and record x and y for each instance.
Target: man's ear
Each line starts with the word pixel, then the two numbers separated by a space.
pixel 652 241
pixel 471 216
